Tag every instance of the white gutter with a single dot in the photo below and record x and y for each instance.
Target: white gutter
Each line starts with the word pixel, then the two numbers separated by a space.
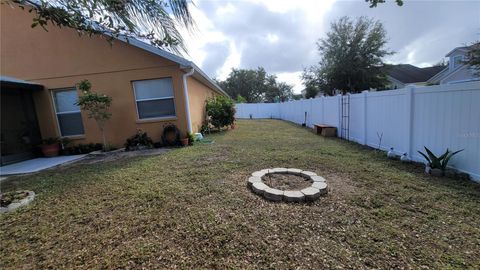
pixel 187 102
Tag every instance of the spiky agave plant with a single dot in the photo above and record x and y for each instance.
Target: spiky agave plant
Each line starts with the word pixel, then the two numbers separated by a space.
pixel 440 162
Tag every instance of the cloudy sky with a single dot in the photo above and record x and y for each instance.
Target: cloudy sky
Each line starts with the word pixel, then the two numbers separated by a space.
pixel 281 35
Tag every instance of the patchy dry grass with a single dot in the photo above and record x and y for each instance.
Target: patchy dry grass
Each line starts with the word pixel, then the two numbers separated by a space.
pixel 190 208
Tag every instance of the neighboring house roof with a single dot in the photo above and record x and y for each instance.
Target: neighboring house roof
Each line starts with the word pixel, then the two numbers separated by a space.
pixel 461 68
pixel 463 48
pixel 407 73
pixel 449 71
pixel 436 78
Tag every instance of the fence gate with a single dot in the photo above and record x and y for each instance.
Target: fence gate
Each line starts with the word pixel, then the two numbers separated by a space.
pixel 345 117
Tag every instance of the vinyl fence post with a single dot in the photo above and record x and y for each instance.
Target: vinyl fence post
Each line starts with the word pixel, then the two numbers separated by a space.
pixel 365 93
pixel 323 110
pixel 409 126
pixel 339 128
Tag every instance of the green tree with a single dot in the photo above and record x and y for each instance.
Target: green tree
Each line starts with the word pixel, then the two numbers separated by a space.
pixel 374 3
pixel 240 99
pixel 285 91
pixel 311 92
pixel 297 96
pixel 157 21
pixel 247 83
pixel 276 91
pixel 97 106
pixel 351 57
pixel 473 57
pixel 312 81
pixel 255 85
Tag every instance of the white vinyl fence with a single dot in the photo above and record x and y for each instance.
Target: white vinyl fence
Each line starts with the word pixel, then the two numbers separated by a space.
pixel 438 117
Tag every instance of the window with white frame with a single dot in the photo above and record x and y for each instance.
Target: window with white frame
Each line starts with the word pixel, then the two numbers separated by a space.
pixel 68 113
pixel 154 98
pixel 457 61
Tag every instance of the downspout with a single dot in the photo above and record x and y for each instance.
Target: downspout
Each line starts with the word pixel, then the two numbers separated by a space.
pixel 187 102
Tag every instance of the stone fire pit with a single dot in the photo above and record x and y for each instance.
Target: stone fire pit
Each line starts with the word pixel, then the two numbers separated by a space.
pixel 289 185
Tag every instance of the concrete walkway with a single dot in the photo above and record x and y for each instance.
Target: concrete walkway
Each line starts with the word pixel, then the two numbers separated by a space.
pixel 37 164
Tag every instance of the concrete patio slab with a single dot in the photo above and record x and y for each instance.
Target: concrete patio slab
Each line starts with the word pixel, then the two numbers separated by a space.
pixel 37 164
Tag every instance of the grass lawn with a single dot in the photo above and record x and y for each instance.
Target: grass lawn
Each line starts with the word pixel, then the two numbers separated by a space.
pixel 190 208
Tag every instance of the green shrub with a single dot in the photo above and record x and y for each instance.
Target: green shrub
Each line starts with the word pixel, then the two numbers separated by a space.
pixel 82 148
pixel 138 141
pixel 49 141
pixel 191 138
pixel 221 111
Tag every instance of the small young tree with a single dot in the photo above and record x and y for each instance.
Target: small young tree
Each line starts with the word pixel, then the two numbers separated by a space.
pixel 97 106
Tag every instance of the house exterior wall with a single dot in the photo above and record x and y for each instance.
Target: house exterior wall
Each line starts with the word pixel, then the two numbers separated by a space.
pixel 394 83
pixel 198 94
pixel 454 74
pixel 60 58
pixel 462 74
pixel 452 56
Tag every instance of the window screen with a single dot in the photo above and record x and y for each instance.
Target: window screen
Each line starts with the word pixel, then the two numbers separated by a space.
pixel 154 98
pixel 68 113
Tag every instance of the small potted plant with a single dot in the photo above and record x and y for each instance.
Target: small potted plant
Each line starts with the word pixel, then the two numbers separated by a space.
pixel 50 147
pixel 184 141
pixel 436 166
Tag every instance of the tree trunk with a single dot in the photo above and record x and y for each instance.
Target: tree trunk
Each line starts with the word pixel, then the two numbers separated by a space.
pixel 104 140
pixel 101 126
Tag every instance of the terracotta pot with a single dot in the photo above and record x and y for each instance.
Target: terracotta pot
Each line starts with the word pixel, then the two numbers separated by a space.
pixel 51 150
pixel 184 141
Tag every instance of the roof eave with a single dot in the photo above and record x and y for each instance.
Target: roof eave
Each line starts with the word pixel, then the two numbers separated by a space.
pixel 205 79
pixel 456 49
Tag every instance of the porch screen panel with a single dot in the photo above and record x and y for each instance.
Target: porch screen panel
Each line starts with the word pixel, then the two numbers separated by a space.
pixel 68 113
pixel 154 98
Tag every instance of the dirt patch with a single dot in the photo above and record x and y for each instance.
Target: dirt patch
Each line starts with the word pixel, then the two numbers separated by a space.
pixel 118 155
pixel 286 181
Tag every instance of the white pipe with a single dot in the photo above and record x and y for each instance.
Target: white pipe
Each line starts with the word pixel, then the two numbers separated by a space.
pixel 187 102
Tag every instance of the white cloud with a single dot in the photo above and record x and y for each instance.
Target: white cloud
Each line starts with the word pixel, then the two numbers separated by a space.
pixel 292 78
pixel 272 38
pixel 281 35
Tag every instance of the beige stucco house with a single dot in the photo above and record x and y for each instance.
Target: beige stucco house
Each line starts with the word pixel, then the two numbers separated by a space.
pixel 150 87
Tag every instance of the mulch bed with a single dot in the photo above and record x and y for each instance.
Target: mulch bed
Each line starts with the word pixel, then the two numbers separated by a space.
pixel 286 181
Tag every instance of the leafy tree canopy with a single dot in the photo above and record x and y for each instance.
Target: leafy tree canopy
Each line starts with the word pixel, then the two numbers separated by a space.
pixel 351 57
pixel 374 3
pixel 157 21
pixel 240 99
pixel 255 85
